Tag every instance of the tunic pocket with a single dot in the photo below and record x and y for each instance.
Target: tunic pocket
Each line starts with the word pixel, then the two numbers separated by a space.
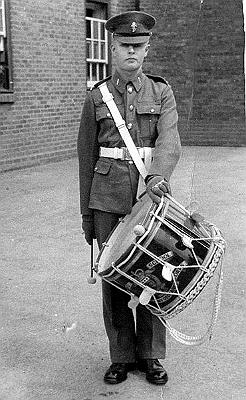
pixel 102 167
pixel 101 183
pixel 148 114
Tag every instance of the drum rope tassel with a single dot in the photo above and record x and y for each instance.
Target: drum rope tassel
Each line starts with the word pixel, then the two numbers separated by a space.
pixel 200 339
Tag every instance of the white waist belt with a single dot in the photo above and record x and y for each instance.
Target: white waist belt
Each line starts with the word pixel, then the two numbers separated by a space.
pixel 122 153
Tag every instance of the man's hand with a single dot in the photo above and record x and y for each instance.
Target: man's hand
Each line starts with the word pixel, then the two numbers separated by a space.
pixel 88 228
pixel 156 187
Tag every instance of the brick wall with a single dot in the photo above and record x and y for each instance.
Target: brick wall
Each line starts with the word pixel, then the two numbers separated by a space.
pixel 200 51
pixel 119 6
pixel 48 52
pixel 48 48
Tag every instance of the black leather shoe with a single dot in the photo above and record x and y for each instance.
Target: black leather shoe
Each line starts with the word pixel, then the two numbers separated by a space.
pixel 117 372
pixel 155 373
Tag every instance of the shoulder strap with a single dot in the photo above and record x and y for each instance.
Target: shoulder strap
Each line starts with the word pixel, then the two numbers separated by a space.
pixel 157 78
pixel 121 126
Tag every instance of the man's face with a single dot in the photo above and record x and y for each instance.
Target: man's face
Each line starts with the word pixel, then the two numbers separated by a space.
pixel 129 57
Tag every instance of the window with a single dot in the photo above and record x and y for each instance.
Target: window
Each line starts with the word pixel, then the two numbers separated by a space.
pixel 96 42
pixel 5 68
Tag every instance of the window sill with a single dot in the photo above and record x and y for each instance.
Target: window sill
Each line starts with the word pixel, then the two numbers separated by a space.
pixel 7 97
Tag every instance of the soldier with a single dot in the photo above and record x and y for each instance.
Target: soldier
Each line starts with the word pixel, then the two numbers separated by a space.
pixel 109 181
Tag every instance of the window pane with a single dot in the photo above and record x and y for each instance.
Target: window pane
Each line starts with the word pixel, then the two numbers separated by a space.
pixel 88 29
pixel 88 49
pixel 102 31
pixel 95 30
pixel 94 72
pixel 88 72
pixel 103 54
pixel 1 20
pixel 96 50
pixel 4 78
pixel 101 71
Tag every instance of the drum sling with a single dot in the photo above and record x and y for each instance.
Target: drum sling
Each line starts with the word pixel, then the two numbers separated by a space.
pixel 142 167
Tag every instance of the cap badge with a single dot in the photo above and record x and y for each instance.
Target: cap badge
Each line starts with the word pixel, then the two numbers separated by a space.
pixel 134 26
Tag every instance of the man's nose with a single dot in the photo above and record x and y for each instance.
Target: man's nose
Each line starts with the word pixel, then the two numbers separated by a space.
pixel 131 49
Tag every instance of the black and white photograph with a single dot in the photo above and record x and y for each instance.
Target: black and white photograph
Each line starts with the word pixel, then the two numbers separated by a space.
pixel 122 199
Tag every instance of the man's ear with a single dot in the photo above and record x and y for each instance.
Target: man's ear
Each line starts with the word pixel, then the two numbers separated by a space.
pixel 112 47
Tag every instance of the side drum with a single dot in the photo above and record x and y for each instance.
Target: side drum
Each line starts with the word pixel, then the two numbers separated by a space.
pixel 162 255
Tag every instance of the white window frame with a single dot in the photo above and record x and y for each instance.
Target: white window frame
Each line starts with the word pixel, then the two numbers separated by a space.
pixel 100 60
pixel 3 24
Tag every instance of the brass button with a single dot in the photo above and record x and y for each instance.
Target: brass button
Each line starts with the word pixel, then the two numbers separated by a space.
pixel 130 89
pixel 129 126
pixel 152 110
pixel 131 107
pixel 108 115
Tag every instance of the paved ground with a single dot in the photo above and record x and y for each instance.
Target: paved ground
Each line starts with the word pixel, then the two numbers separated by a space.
pixel 53 344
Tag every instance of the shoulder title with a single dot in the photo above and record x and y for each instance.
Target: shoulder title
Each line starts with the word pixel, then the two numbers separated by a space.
pixel 157 78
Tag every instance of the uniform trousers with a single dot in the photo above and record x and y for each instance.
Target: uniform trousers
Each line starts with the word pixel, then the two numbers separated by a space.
pixel 130 337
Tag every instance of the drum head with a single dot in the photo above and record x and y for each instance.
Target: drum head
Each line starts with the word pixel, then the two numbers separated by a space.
pixel 120 241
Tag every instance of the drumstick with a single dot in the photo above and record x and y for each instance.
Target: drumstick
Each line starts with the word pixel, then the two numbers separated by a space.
pixel 91 279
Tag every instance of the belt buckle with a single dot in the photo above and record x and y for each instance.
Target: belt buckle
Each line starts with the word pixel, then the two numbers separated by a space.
pixel 126 154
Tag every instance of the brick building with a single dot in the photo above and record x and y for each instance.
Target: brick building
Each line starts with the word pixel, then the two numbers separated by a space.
pixel 52 51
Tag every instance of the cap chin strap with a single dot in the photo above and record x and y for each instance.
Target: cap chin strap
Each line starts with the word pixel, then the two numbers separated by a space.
pixel 126 137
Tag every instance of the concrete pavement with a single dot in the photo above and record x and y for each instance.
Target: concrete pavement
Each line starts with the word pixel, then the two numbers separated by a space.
pixel 53 344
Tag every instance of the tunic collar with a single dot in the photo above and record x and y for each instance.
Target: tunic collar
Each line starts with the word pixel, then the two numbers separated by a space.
pixel 120 84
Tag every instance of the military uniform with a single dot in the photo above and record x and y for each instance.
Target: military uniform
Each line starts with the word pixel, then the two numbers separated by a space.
pixel 108 187
pixel 148 107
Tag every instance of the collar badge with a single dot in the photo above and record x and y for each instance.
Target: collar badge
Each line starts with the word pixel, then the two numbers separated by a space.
pixel 134 26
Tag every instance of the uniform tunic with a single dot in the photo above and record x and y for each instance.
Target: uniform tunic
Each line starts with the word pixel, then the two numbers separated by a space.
pixel 108 189
pixel 148 107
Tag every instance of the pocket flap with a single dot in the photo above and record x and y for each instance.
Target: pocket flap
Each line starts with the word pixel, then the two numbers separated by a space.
pixel 102 167
pixel 148 108
pixel 102 112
